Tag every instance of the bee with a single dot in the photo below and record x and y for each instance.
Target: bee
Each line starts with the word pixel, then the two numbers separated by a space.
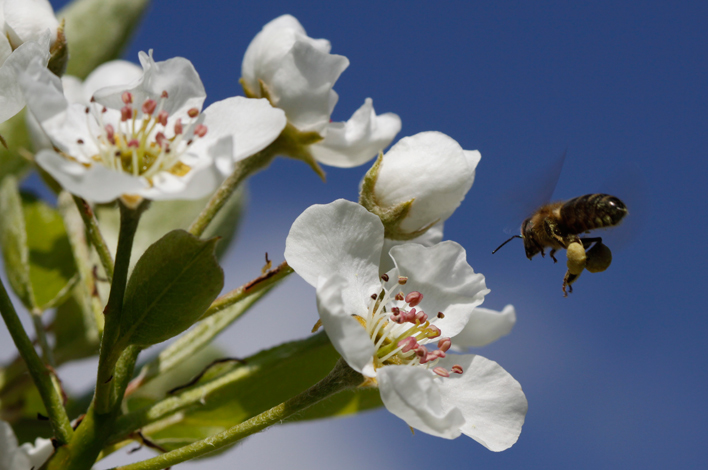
pixel 558 225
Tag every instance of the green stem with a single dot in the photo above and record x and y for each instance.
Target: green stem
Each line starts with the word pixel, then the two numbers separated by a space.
pixel 94 234
pixel 244 169
pixel 39 372
pixel 109 355
pixel 342 377
pixel 263 282
pixel 42 339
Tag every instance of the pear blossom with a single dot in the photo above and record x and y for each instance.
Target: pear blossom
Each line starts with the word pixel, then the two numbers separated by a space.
pixel 146 138
pixel 486 326
pixel 297 74
pixel 430 172
pixel 396 329
pixel 24 457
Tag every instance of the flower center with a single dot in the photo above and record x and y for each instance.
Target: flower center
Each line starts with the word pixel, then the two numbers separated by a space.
pixel 403 334
pixel 138 144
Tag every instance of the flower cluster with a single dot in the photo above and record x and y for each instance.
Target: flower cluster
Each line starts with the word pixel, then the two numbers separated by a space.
pixel 398 304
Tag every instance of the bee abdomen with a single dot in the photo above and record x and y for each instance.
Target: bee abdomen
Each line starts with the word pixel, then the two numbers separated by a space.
pixel 592 211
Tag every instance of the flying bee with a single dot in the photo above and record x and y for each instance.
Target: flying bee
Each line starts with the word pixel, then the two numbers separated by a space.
pixel 558 226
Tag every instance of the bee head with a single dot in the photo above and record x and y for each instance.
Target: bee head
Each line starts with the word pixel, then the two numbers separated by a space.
pixel 531 244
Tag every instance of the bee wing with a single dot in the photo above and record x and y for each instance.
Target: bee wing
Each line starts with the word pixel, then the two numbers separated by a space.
pixel 531 192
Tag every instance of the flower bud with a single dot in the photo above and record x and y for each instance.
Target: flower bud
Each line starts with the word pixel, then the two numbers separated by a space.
pixel 419 182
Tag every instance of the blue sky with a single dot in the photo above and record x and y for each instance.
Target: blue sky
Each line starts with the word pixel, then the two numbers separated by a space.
pixel 615 374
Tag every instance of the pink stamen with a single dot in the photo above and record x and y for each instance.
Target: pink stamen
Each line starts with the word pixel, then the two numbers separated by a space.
pixel 164 94
pixel 384 277
pixel 399 296
pixel 126 112
pixel 457 369
pixel 200 130
pixel 127 97
pixel 402 280
pixel 110 134
pixel 414 298
pixel 178 127
pixel 441 371
pixel 421 316
pixel 444 344
pixel 434 331
pixel 149 106
pixel 408 344
pixel 134 143
pixel 162 117
pixel 160 139
pixel 193 112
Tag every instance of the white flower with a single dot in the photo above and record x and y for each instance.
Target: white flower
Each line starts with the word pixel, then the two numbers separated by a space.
pixel 24 457
pixel 396 329
pixel 297 74
pixel 26 20
pixel 486 326
pixel 146 138
pixel 431 170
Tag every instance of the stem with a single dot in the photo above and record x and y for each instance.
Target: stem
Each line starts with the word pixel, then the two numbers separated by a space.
pixel 244 169
pixel 108 356
pixel 342 377
pixel 39 372
pixel 42 339
pixel 94 234
pixel 265 281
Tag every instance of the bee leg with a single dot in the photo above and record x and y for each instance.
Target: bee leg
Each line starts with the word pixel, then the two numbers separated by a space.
pixel 589 241
pixel 567 281
pixel 553 252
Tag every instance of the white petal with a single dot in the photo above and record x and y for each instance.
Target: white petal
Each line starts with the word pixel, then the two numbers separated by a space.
pixel 429 167
pixel 447 282
pixel 176 76
pixel 38 453
pixel 28 19
pixel 8 446
pixel 348 336
pixel 253 124
pixel 298 71
pixel 362 137
pixel 486 326
pixel 109 74
pixel 412 394
pixel 12 98
pixel 96 184
pixel 341 238
pixel 490 399
pixel 431 237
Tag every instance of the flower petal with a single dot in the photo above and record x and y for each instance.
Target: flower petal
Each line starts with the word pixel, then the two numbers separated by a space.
pixel 176 76
pixel 109 74
pixel 348 336
pixel 486 326
pixel 429 167
pixel 28 19
pixel 447 282
pixel 12 98
pixel 8 445
pixel 341 238
pixel 362 137
pixel 97 183
pixel 412 394
pixel 431 237
pixel 38 453
pixel 253 124
pixel 490 399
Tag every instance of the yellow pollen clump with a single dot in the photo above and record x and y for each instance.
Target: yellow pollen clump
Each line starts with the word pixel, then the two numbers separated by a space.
pixel 576 258
pixel 599 258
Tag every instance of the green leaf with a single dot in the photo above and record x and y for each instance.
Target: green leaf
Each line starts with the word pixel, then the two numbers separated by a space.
pixel 52 270
pixel 172 285
pixel 38 257
pixel 13 238
pixel 274 376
